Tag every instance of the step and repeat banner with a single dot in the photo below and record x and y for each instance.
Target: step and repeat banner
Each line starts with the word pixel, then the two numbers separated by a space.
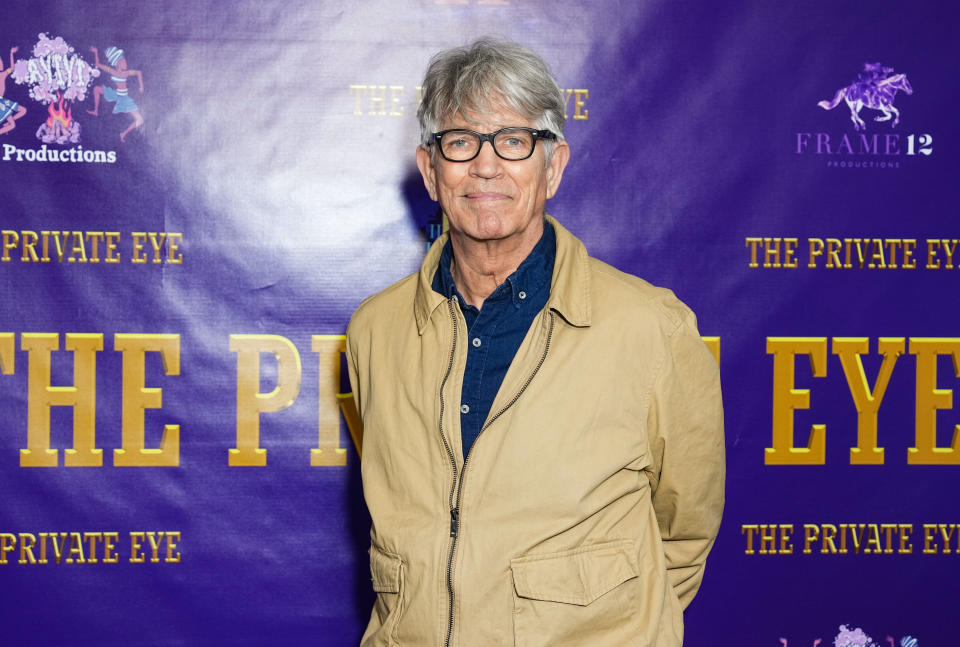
pixel 197 195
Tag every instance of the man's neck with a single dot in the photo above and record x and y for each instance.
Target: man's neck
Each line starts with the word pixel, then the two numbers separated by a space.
pixel 479 266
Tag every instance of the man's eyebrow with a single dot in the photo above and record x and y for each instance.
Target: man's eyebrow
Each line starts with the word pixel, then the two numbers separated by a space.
pixel 495 128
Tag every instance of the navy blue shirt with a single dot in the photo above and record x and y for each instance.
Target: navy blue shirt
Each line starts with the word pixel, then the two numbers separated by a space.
pixel 496 330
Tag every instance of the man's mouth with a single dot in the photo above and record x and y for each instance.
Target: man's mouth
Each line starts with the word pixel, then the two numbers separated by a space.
pixel 481 196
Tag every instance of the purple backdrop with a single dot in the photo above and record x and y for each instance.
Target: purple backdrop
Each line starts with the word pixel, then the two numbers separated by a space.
pixel 277 140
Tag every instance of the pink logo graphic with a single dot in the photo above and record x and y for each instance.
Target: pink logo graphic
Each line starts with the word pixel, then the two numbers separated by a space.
pixel 874 88
pixel 857 638
pixel 57 77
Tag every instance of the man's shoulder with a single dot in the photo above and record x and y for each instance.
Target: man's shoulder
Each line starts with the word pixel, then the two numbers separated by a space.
pixel 631 296
pixel 385 306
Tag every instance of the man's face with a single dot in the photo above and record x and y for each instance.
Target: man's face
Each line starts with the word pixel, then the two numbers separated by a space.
pixel 489 198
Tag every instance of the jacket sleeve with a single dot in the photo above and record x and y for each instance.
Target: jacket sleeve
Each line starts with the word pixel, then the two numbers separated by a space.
pixel 353 362
pixel 685 428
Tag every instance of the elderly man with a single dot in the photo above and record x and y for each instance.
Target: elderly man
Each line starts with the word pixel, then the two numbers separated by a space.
pixel 543 444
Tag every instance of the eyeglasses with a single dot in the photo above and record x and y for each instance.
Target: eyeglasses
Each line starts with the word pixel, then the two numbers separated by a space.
pixel 513 144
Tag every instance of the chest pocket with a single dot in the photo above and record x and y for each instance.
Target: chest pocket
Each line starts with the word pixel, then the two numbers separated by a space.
pixel 584 596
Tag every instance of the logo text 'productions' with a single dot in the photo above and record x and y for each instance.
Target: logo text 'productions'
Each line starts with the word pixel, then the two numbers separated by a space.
pixel 74 155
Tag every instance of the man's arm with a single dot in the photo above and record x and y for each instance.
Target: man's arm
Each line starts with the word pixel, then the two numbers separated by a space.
pixel 685 427
pixel 352 371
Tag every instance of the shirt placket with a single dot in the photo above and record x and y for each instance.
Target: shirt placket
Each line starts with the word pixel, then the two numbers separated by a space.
pixel 481 343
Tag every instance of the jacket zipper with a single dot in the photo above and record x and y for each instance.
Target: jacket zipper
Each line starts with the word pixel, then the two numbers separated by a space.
pixel 454 513
pixel 457 485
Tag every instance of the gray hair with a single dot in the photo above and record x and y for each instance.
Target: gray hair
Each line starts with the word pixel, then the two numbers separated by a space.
pixel 485 76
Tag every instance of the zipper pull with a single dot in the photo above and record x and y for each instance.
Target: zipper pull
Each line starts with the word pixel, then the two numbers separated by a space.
pixel 454 522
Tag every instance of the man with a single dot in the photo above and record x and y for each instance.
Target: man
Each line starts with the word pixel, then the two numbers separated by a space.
pixel 543 445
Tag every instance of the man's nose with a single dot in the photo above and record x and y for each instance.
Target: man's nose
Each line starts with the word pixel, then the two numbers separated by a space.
pixel 487 163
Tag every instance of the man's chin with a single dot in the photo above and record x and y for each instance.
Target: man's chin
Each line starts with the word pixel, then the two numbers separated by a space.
pixel 495 229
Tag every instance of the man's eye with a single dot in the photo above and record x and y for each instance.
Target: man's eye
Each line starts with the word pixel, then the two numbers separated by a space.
pixel 514 142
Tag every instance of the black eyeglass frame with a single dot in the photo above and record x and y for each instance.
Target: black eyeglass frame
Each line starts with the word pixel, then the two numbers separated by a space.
pixel 489 137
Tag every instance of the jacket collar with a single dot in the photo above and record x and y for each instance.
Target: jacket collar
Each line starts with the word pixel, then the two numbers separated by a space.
pixel 569 288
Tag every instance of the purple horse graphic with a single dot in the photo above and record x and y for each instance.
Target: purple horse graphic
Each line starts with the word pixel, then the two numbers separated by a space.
pixel 875 88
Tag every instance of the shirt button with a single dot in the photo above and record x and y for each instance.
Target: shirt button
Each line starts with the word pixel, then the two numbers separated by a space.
pixel 464 409
pixel 476 342
pixel 522 294
pixel 454 298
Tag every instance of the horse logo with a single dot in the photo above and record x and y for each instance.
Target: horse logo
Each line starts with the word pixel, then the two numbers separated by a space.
pixel 874 88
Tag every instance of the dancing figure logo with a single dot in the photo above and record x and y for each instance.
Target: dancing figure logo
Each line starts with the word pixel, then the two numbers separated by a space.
pixel 856 637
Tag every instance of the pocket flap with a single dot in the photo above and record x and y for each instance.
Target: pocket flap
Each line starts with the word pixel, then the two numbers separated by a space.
pixel 384 570
pixel 577 576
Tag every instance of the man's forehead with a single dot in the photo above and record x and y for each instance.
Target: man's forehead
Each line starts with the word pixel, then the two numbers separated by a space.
pixel 493 117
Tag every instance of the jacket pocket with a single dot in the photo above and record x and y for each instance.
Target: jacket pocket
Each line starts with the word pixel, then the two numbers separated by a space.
pixel 583 596
pixel 387 573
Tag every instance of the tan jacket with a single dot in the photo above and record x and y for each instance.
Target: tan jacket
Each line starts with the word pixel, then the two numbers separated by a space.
pixel 590 499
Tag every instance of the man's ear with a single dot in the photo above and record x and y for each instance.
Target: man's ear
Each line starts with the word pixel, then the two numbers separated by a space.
pixel 427 170
pixel 558 162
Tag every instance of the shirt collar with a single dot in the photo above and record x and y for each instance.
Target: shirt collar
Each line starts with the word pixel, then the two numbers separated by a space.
pixel 533 274
pixel 570 291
